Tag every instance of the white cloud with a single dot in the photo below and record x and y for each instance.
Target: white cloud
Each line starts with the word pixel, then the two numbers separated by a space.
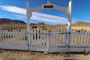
pixel 13 9
pixel 36 15
pixel 48 18
pixel 20 16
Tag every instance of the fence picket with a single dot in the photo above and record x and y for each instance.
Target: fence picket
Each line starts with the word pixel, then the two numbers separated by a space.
pixel 14 37
pixel 80 39
pixel 52 40
pixel 83 39
pixel 62 41
pixel 73 39
pixel 86 39
pixel 5 37
pixel 48 40
pixel 41 38
pixel 89 40
pixel 38 35
pixel 13 34
pixel 34 37
pixel 24 37
pixel 77 39
pixel 58 36
pixel 31 38
pixel 2 37
pixel 55 38
pixel 8 37
pixel 20 40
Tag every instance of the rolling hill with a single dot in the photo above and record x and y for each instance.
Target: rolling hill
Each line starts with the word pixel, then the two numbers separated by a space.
pixel 10 21
pixel 81 24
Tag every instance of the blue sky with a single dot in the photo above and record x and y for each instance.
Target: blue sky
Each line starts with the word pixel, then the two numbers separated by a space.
pixel 15 9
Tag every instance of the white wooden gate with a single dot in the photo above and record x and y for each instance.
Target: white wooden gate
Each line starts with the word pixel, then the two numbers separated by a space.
pixel 54 41
pixel 39 40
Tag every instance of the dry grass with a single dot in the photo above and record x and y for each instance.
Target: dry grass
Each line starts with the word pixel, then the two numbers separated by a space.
pixel 26 55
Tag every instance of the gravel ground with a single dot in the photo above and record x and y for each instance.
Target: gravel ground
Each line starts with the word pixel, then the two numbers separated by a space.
pixel 27 55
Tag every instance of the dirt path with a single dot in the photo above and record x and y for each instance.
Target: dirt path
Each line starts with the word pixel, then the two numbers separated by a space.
pixel 24 55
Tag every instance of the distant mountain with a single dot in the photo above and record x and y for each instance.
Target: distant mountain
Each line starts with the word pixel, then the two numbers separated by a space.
pixel 81 24
pixel 77 24
pixel 40 23
pixel 10 21
pixel 32 24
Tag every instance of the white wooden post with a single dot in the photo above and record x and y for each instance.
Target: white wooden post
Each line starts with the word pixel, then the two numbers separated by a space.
pixel 69 16
pixel 29 14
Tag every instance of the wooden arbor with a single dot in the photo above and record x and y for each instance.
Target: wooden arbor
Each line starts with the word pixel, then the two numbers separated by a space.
pixel 48 6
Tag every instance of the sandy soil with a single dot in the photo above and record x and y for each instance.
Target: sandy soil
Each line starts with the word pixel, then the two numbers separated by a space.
pixel 27 55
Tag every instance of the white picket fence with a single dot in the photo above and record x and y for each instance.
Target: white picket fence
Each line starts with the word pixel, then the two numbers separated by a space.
pixel 54 41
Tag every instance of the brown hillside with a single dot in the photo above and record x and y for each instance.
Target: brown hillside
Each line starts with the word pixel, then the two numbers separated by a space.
pixel 81 24
pixel 10 21
pixel 6 21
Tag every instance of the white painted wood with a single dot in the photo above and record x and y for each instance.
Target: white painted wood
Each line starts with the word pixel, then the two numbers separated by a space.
pixel 21 46
pixel 21 36
pixel 62 41
pixel 32 38
pixel 2 37
pixel 58 36
pixel 55 38
pixel 52 39
pixel 24 37
pixel 80 39
pixel 49 39
pixel 61 49
pixel 69 15
pixel 40 38
pixel 89 40
pixel 83 38
pixel 47 42
pixel 16 37
pixel 35 37
pixel 8 37
pixel 5 36
pixel 38 35
pixel 18 41
pixel 14 47
pixel 65 38
pixel 86 38
pixel 45 39
pixel 77 40
pixel 73 39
